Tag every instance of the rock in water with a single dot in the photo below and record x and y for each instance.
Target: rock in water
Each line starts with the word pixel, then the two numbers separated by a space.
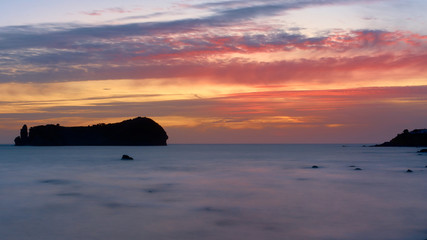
pixel 134 132
pixel 409 171
pixel 127 157
pixel 314 166
pixel 423 151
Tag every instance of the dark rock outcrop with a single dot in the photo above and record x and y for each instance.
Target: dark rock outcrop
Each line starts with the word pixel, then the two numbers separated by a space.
pixel 127 157
pixel 415 138
pixel 134 132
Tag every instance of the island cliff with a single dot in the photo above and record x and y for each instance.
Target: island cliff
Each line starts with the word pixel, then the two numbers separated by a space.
pixel 140 131
pixel 415 138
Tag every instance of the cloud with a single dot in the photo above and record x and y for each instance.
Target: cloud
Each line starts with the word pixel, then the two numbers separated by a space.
pixel 258 109
pixel 305 71
pixel 65 35
pixel 244 10
pixel 115 10
pixel 355 114
pixel 204 48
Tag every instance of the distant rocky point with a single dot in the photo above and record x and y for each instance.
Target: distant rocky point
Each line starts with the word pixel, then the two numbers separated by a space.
pixel 415 138
pixel 140 131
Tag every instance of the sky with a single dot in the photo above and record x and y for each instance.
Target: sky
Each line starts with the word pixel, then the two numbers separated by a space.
pixel 236 71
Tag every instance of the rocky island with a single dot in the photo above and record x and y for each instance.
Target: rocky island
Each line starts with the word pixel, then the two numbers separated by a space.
pixel 415 138
pixel 140 131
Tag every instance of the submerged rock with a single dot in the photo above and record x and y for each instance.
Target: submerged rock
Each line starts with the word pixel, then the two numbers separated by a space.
pixel 127 157
pixel 56 181
pixel 358 169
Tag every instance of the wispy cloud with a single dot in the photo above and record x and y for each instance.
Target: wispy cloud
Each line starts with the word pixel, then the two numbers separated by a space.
pixel 115 10
pixel 294 111
pixel 216 46
pixel 33 36
pixel 129 51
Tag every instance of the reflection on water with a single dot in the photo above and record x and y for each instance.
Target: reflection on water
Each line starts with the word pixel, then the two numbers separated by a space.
pixel 212 192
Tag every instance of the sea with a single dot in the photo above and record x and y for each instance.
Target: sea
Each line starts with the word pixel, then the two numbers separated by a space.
pixel 213 192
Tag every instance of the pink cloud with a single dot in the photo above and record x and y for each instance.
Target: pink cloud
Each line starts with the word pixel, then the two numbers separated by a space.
pixel 317 70
pixel 208 45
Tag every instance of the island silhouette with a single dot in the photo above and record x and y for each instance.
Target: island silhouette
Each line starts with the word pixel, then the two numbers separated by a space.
pixel 415 138
pixel 140 131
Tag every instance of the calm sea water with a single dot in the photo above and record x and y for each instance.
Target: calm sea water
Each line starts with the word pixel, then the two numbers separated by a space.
pixel 188 192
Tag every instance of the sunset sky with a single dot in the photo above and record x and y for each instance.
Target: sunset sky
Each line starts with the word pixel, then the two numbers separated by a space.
pixel 237 71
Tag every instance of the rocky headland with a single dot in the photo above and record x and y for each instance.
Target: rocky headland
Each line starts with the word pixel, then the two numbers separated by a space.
pixel 140 131
pixel 415 138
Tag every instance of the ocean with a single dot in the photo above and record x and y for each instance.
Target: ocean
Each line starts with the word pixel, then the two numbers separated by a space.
pixel 213 192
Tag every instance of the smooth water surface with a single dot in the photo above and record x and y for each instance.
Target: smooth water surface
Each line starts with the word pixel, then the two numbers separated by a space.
pixel 188 192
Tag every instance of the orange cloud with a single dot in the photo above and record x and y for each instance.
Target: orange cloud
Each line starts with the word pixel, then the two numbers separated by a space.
pixel 357 112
